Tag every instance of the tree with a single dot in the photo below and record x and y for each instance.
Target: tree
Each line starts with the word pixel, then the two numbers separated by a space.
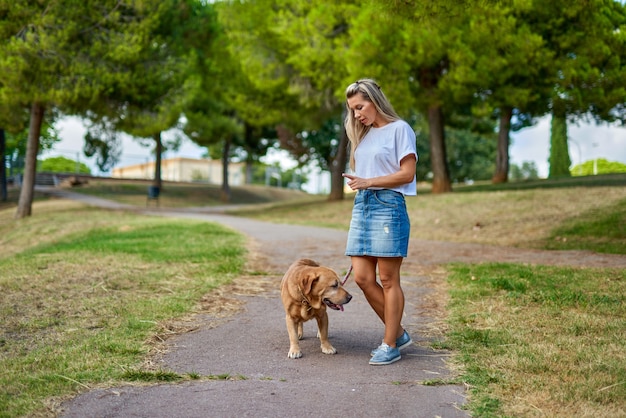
pixel 255 144
pixel 24 206
pixel 102 142
pixel 23 36
pixel 470 155
pixel 559 155
pixel 470 147
pixel 421 48
pixel 589 49
pixel 16 148
pixel 294 53
pixel 528 171
pixel 211 118
pixel 149 89
pixel 261 175
pixel 315 35
pixel 507 68
pixel 318 146
pixel 3 168
pixel 16 141
pixel 11 120
pixel 55 56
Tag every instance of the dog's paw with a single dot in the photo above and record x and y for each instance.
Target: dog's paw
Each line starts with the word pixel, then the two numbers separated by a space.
pixel 328 349
pixel 294 354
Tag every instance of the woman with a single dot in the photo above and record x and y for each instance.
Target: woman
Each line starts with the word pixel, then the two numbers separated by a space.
pixel 382 157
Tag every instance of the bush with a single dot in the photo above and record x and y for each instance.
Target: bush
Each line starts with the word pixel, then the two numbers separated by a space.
pixel 602 166
pixel 63 165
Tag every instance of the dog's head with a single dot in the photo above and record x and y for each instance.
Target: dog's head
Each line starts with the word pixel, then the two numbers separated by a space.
pixel 322 285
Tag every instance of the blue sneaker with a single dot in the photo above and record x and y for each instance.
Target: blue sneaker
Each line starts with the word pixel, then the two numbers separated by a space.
pixel 402 342
pixel 385 355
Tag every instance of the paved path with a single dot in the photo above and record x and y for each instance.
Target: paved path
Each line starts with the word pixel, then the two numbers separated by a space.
pixel 252 345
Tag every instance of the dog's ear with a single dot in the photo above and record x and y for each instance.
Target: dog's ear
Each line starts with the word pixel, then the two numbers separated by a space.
pixel 308 280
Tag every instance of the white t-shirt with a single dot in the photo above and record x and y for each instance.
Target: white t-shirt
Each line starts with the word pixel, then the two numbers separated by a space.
pixel 381 151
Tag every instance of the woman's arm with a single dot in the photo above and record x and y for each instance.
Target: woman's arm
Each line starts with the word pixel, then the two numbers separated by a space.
pixel 406 174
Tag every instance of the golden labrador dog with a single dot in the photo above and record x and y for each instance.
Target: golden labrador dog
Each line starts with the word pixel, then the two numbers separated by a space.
pixel 306 289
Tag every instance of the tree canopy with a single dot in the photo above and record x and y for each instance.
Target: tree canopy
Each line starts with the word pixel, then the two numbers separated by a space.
pixel 241 76
pixel 61 57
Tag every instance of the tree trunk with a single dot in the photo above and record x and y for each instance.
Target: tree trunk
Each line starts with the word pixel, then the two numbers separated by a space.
pixel 248 139
pixel 249 170
pixel 338 167
pixel 225 192
pixel 502 157
pixel 559 153
pixel 24 206
pixel 158 151
pixel 441 174
pixel 3 169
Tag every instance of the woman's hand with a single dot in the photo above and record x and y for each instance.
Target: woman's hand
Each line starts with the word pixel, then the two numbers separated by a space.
pixel 357 183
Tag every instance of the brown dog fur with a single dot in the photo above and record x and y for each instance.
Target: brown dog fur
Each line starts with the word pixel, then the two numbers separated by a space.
pixel 307 288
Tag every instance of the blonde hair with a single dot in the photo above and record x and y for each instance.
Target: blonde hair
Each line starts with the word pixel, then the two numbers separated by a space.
pixel 370 91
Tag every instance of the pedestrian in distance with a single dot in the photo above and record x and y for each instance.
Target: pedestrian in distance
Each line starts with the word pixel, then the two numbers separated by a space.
pixel 383 157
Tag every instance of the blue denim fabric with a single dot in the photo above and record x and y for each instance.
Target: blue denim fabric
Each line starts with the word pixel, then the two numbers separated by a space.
pixel 380 225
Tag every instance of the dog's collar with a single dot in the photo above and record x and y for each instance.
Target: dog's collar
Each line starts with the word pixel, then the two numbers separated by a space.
pixel 304 301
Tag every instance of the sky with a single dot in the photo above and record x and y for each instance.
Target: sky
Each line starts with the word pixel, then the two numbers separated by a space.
pixel 587 142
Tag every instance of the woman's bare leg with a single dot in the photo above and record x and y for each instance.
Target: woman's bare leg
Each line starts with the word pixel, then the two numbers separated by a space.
pixel 386 300
pixel 364 270
pixel 389 270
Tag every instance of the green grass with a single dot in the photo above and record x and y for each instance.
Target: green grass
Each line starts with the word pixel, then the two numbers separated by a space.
pixel 540 340
pixel 602 230
pixel 612 180
pixel 77 309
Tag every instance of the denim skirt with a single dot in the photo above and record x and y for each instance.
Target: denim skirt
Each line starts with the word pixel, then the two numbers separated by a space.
pixel 380 225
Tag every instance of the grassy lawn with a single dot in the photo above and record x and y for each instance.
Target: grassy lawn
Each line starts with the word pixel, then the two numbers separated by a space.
pixel 540 341
pixel 84 293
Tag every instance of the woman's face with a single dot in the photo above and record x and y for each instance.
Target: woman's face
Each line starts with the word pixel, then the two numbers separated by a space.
pixel 363 110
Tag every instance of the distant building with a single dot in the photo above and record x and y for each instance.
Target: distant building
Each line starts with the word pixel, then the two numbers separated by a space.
pixel 185 170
